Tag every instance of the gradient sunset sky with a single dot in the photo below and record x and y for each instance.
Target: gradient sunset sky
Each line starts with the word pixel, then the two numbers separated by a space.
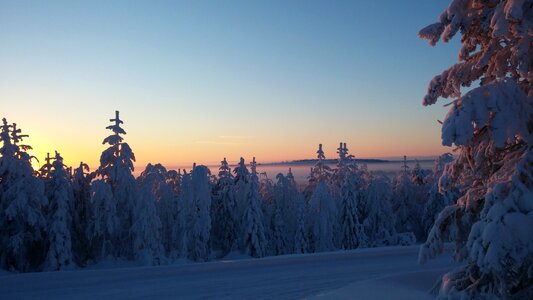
pixel 196 81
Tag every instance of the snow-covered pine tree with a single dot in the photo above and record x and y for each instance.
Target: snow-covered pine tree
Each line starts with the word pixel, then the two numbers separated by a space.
pixel 61 198
pixel 253 238
pixel 22 224
pixel 380 220
pixel 81 212
pixel 224 206
pixel 200 215
pixel 103 223
pixel 116 167
pixel 492 127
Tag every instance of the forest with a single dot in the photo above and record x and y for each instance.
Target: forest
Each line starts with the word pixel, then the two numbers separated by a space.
pixel 59 217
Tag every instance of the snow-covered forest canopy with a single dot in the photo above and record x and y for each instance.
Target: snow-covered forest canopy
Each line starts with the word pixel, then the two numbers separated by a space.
pixel 60 217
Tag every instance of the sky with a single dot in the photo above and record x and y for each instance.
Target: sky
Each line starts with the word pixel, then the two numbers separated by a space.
pixel 196 81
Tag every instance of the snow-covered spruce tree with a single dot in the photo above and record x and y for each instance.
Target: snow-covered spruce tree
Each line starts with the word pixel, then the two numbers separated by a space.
pixel 22 198
pixel 241 179
pixel 419 175
pixel 199 212
pixel 216 208
pixel 347 186
pixel 290 231
pixel 253 238
pixel 323 217
pixel 380 222
pixel 268 207
pixel 46 169
pixel 352 234
pixel 184 214
pixel 266 187
pixel 103 223
pixel 61 198
pixel 346 167
pixel 301 239
pixel 146 228
pixel 167 197
pixel 437 200
pixel 225 220
pixel 241 171
pixel 282 232
pixel 421 186
pixel 318 172
pixel 81 212
pixel 492 127
pixel 155 177
pixel 323 209
pixel 116 167
pixel 290 178
pixel 362 181
pixel 406 204
pixel 173 180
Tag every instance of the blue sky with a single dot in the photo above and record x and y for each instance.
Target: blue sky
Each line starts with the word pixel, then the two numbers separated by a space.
pixel 199 80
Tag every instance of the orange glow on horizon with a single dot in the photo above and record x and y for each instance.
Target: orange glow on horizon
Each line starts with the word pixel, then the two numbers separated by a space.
pixel 183 154
pixel 206 144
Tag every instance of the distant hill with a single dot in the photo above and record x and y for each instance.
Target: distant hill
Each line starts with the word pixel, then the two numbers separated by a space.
pixel 327 161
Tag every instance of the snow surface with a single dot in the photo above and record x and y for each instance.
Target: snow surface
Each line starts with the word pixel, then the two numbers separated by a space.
pixel 399 286
pixel 376 273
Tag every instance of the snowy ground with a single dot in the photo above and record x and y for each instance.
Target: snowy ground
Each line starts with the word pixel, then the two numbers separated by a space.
pixel 379 273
